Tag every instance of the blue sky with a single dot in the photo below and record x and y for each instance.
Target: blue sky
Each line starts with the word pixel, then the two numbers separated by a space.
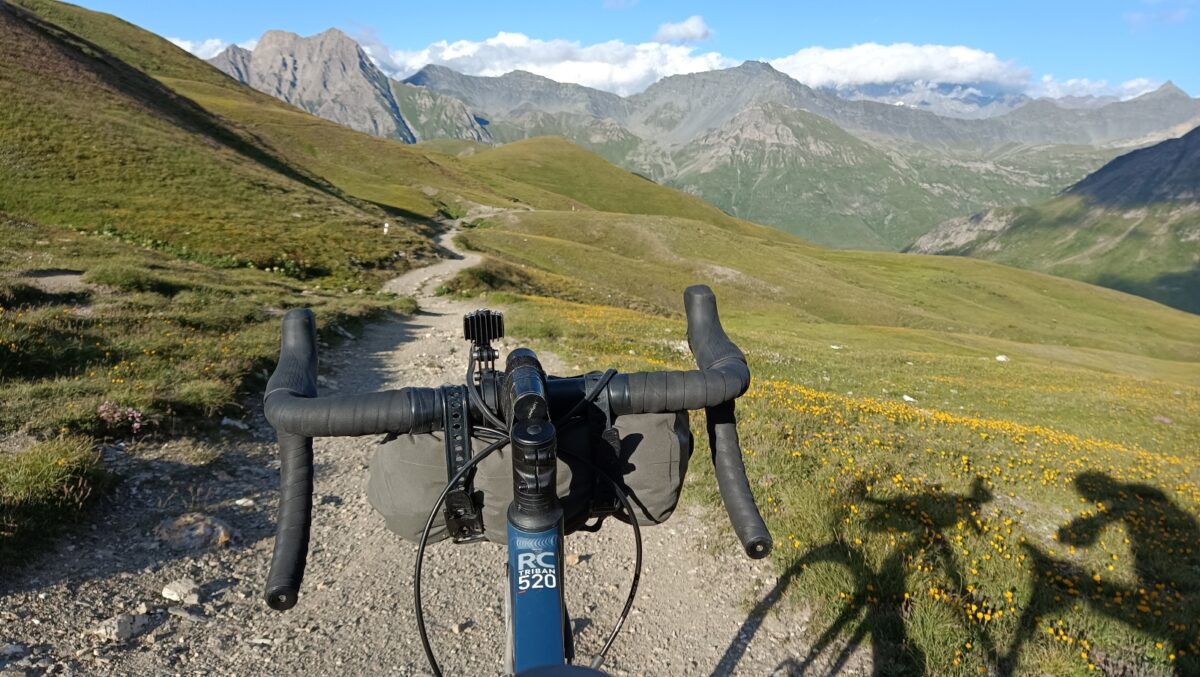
pixel 1080 46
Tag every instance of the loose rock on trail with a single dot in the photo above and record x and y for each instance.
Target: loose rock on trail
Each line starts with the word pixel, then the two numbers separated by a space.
pixel 114 596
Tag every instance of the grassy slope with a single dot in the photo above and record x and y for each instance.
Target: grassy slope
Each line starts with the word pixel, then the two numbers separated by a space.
pixel 1152 251
pixel 135 327
pixel 777 281
pixel 917 487
pixel 88 142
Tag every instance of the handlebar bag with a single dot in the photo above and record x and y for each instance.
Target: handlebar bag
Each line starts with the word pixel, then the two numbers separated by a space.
pixel 408 472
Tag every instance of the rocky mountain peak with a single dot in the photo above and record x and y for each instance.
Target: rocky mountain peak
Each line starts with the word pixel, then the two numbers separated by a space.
pixel 235 61
pixel 329 44
pixel 756 67
pixel 1168 90
pixel 330 75
pixel 326 74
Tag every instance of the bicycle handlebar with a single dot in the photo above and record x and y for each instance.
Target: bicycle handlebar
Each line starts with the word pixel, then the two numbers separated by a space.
pixel 716 353
pixel 293 409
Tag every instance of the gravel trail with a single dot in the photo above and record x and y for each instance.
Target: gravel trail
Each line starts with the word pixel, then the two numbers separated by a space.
pixel 355 615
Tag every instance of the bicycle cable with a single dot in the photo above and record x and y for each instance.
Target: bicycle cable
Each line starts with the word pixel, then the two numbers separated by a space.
pixel 477 399
pixel 637 559
pixel 590 396
pixel 420 611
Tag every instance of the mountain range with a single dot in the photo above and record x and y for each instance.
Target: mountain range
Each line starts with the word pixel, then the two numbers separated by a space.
pixel 1132 225
pixel 846 169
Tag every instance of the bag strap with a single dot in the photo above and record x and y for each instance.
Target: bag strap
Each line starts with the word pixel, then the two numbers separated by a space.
pixel 464 520
pixel 605 443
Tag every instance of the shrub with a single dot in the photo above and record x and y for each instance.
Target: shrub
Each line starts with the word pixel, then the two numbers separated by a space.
pixel 43 488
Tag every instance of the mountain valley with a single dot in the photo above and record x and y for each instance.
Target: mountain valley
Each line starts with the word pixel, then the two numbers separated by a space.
pixel 865 175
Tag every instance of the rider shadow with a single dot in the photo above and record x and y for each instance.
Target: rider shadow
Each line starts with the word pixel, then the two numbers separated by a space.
pixel 877 606
pixel 1164 541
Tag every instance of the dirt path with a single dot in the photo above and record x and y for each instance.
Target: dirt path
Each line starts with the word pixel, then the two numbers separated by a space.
pixel 354 615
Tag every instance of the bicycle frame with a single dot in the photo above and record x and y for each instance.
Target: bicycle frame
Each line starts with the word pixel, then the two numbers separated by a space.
pixel 537 627
pixel 536 612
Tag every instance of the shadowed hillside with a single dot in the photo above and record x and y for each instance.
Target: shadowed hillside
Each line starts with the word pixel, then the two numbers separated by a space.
pixel 1133 225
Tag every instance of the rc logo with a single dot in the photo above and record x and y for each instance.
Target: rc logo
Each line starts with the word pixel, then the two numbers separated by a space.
pixel 536 570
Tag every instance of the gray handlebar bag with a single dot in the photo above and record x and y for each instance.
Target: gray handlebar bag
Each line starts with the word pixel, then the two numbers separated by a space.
pixel 408 473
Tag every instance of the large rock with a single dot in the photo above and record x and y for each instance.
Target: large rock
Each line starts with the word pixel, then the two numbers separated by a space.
pixel 194 531
pixel 122 627
pixel 182 590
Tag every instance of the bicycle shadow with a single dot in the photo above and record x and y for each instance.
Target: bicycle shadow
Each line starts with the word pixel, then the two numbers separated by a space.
pixel 1164 542
pixel 877 607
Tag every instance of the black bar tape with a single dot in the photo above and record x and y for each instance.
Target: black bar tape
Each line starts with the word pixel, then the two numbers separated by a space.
pixel 732 482
pixel 664 391
pixel 715 352
pixel 295 519
pixel 295 376
pixel 416 410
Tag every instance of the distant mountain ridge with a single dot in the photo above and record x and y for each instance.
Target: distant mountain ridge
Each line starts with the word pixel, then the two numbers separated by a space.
pixel 842 172
pixel 678 108
pixel 1133 225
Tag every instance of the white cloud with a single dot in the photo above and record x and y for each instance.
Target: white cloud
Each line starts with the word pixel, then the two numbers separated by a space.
pixel 624 68
pixel 1048 86
pixel 207 49
pixel 872 63
pixel 691 29
pixel 613 66
pixel 1163 12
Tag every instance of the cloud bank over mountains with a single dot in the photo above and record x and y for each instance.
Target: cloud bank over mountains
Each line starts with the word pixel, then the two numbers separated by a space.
pixel 613 66
pixel 625 68
pixel 207 49
pixel 871 63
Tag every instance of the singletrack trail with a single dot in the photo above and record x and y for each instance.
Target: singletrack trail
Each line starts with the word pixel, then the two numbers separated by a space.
pixel 692 615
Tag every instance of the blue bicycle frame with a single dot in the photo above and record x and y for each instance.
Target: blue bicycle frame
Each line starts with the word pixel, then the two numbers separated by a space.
pixel 537 631
pixel 537 615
